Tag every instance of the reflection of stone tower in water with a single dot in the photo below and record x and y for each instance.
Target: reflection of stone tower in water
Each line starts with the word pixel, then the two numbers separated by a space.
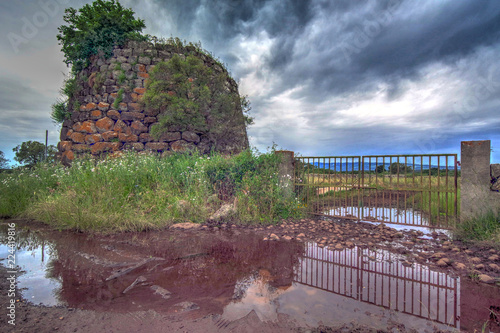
pixel 156 98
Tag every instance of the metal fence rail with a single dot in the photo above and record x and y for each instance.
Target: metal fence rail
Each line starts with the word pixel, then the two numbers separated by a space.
pixel 385 282
pixel 419 190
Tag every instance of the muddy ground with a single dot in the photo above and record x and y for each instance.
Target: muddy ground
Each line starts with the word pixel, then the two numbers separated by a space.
pixel 478 265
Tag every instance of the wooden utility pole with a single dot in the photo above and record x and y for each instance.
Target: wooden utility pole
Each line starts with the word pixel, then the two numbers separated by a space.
pixel 46 143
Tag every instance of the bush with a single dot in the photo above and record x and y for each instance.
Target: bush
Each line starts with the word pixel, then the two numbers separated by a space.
pixel 119 98
pixel 60 111
pixel 30 153
pixel 400 168
pixel 71 87
pixel 192 96
pixel 95 29
pixel 4 163
pixel 22 187
pixel 179 90
pixel 138 191
pixel 380 168
pixel 483 228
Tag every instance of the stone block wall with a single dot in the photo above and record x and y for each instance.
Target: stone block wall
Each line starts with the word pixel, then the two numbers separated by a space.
pixel 99 125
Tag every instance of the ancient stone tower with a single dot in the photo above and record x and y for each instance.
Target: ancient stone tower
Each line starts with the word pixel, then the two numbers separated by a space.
pixel 109 111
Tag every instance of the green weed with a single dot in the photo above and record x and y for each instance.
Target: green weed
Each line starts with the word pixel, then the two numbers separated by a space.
pixel 139 191
pixel 60 111
pixel 483 228
pixel 119 98
pixel 122 77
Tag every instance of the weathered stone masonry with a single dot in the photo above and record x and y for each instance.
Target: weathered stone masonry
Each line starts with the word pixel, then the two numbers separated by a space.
pixel 97 127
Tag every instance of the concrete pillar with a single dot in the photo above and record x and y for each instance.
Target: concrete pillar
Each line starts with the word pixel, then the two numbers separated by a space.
pixel 286 172
pixel 476 197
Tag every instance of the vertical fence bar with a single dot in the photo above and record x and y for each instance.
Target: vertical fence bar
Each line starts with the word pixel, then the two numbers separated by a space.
pixel 413 196
pixel 447 189
pixel 456 187
pixel 330 182
pixel 347 187
pixel 430 192
pixel 397 187
pixel 438 189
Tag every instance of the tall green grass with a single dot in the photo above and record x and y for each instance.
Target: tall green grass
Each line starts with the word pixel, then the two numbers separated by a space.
pixel 138 191
pixel 438 205
pixel 483 228
pixel 19 188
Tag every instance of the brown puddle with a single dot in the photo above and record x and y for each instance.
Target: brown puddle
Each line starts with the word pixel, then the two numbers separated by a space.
pixel 233 272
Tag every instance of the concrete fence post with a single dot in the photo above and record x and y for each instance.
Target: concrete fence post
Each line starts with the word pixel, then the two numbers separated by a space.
pixel 286 171
pixel 476 195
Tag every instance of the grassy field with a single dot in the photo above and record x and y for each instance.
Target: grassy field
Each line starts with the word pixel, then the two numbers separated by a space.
pixel 143 191
pixel 430 193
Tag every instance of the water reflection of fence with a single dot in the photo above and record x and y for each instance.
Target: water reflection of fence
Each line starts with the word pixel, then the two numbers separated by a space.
pixel 385 282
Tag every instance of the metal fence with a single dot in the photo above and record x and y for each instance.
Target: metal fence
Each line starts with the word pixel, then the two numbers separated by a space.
pixel 377 278
pixel 419 190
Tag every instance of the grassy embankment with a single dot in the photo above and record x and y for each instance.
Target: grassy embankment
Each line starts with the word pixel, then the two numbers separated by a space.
pixel 144 191
pixel 482 229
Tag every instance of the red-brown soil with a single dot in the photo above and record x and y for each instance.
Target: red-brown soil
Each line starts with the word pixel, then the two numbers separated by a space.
pixel 93 307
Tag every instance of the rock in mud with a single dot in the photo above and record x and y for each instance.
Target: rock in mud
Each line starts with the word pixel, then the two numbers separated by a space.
pixel 140 279
pixel 493 257
pixel 475 260
pixel 186 226
pixel 164 293
pixel 274 237
pixel 438 255
pixel 186 306
pixel 460 266
pixel 443 262
pixel 494 267
pixel 486 278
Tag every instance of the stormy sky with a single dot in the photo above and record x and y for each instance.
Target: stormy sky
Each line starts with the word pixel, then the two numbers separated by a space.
pixel 336 77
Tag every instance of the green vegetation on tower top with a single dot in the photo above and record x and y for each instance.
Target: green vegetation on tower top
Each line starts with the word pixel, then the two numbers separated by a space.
pixel 191 96
pixel 95 29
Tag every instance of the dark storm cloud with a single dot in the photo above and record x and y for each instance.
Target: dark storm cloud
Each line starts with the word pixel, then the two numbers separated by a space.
pixel 359 43
pixel 217 22
pixel 455 29
pixel 334 54
pixel 390 45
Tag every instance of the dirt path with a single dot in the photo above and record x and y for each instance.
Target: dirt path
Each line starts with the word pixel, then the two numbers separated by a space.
pixel 437 250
